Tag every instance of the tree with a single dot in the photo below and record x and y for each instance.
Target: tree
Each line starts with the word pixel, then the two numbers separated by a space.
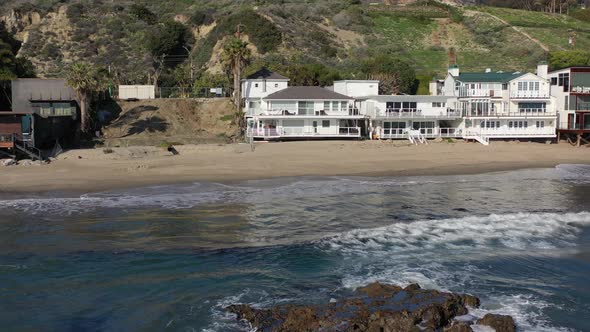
pixel 396 76
pixel 236 56
pixel 563 59
pixel 87 81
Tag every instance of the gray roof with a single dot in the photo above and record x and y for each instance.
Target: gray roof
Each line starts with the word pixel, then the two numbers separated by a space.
pixel 306 93
pixel 416 98
pixel 265 74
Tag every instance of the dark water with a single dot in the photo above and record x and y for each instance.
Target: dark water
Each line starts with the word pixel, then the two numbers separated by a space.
pixel 172 257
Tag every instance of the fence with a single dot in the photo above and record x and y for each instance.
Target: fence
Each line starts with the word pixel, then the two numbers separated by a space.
pixel 188 92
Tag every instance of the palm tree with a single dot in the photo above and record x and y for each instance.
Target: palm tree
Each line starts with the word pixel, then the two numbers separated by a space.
pixel 236 56
pixel 86 80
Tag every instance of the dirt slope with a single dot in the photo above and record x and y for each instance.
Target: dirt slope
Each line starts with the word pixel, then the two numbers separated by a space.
pixel 152 122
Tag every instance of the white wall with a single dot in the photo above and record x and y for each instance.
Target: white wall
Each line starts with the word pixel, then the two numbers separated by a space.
pixel 357 88
pixel 137 92
pixel 262 88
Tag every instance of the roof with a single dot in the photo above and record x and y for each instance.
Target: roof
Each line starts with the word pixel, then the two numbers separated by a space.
pixel 357 81
pixel 306 93
pixel 416 98
pixel 490 77
pixel 265 74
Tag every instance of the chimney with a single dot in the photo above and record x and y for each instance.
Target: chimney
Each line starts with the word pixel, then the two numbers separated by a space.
pixel 454 70
pixel 543 70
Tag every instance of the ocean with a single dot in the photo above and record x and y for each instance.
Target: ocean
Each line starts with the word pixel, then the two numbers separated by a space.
pixel 171 258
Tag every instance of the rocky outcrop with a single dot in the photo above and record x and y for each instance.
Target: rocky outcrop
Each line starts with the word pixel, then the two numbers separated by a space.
pixel 376 307
pixel 500 323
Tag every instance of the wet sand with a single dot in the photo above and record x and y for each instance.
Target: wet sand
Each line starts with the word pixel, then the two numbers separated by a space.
pixel 93 170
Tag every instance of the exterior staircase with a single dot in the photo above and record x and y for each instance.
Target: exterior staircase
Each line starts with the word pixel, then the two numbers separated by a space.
pixel 478 137
pixel 27 148
pixel 415 137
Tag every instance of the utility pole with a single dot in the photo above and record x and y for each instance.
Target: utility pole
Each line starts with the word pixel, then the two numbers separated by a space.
pixel 192 69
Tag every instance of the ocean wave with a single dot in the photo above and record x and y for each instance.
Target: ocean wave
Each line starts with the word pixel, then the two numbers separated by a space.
pixel 575 173
pixel 514 231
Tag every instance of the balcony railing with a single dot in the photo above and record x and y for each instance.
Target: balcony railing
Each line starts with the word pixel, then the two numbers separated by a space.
pixel 534 94
pixel 479 92
pixel 304 132
pixel 395 133
pixel 55 111
pixel 417 113
pixel 513 132
pixel 278 112
pixel 523 112
pixel 573 126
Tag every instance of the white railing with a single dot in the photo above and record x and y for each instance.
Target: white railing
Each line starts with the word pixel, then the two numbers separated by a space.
pixel 304 132
pixel 511 132
pixel 417 113
pixel 523 112
pixel 463 92
pixel 533 94
pixel 427 132
pixel 279 112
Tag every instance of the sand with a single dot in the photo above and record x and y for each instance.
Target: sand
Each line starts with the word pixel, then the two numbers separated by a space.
pixel 94 170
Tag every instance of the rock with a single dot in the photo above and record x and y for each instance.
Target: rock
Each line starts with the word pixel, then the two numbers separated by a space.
pixel 459 327
pixel 500 323
pixel 375 307
pixel 471 301
pixel 26 162
pixel 8 162
pixel 438 140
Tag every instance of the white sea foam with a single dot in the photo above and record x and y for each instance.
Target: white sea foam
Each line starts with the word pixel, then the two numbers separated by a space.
pixel 514 231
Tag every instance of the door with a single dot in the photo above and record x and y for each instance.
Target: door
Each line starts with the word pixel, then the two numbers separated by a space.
pixel 315 127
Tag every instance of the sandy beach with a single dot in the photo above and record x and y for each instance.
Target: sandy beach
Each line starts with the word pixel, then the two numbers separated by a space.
pixel 94 170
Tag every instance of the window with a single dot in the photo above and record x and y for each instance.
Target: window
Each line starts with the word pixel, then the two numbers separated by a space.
pixel 510 124
pixel 276 85
pixel 335 106
pixel 438 104
pixel 532 107
pixel 344 105
pixel 553 80
pixel 540 124
pixel 526 124
pixel 326 124
pixel 326 106
pixel 255 85
pixel 505 86
pixel 564 80
pixel 305 108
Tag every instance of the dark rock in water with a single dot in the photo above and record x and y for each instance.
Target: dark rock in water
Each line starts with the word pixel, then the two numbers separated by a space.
pixel 376 307
pixel 459 327
pixel 500 323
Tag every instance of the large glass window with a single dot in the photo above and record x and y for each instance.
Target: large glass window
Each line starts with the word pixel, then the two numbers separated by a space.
pixel 305 108
pixel 532 107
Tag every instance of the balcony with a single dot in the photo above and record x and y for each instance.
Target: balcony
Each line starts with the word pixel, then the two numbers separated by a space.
pixel 402 133
pixel 292 113
pixel 505 132
pixel 406 113
pixel 47 112
pixel 480 93
pixel 529 94
pixel 293 132
pixel 522 113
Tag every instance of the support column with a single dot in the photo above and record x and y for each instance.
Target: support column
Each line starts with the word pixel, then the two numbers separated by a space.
pixel 579 140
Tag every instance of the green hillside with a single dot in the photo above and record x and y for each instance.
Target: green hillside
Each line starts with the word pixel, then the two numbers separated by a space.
pixel 147 40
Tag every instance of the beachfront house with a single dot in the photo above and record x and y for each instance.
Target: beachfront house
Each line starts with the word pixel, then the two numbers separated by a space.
pixel 275 111
pixel 259 85
pixel 571 88
pixel 43 112
pixel 396 117
pixel 306 112
pixel 502 104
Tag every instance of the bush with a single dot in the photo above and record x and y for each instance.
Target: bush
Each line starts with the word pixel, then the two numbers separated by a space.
pixel 142 13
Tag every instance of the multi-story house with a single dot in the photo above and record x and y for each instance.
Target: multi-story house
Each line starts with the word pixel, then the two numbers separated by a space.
pixel 502 104
pixel 394 117
pixel 571 88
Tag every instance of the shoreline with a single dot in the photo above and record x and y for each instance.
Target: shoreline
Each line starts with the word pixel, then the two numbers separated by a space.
pixel 92 170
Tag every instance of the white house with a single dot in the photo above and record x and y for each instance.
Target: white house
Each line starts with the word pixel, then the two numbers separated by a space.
pixel 259 85
pixel 306 112
pixel 357 88
pixel 393 117
pixel 502 104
